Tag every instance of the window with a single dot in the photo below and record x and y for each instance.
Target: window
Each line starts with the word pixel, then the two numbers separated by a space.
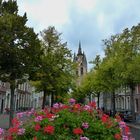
pixel 81 70
pixel 77 72
pixel 136 105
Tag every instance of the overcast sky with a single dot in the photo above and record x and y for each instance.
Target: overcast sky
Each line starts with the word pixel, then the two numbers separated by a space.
pixel 89 21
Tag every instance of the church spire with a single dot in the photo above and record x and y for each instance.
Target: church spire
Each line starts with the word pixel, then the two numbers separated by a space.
pixel 79 49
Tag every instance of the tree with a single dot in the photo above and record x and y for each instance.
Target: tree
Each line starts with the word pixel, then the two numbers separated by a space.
pixel 56 69
pixel 96 64
pixel 129 59
pixel 19 47
pixel 125 51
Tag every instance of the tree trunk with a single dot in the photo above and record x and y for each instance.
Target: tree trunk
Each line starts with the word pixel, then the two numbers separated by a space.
pixel 113 104
pixel 52 99
pixel 44 98
pixel 98 96
pixel 11 116
pixel 132 88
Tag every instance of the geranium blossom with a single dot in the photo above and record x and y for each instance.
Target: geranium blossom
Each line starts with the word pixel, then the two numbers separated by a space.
pixel 72 101
pixel 37 127
pixel 56 105
pixel 20 115
pixel 117 136
pixel 77 106
pixel 84 138
pixel 35 138
pixel 92 104
pixel 21 131
pixel 124 137
pixel 86 107
pixel 38 118
pixel 1 131
pixel 13 130
pixel 85 125
pixel 122 124
pixel 104 118
pixel 78 131
pixel 16 122
pixel 49 129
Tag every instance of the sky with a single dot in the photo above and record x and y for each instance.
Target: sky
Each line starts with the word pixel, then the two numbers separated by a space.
pixel 87 21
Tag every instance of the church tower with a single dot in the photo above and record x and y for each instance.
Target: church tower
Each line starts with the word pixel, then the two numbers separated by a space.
pixel 80 59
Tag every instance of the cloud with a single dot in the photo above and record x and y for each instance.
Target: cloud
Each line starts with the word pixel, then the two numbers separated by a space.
pixel 46 12
pixel 90 21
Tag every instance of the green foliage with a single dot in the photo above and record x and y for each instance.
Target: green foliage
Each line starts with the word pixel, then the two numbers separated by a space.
pixel 18 43
pixel 56 68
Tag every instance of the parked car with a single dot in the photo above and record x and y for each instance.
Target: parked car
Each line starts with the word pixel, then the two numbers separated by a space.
pixel 127 116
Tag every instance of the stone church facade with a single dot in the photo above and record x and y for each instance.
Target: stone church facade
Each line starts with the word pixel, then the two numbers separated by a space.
pixel 80 59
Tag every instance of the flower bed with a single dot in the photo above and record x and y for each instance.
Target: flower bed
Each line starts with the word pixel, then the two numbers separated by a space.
pixel 68 122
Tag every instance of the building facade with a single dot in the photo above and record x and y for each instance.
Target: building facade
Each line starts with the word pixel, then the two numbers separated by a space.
pixel 24 97
pixel 122 100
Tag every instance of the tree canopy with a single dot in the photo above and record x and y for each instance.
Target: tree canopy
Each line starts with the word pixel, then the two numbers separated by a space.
pixel 19 47
pixel 56 69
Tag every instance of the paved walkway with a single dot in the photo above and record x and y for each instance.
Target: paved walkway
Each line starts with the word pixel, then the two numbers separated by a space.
pixel 134 125
pixel 135 130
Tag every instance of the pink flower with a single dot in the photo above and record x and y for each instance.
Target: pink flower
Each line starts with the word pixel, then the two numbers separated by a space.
pixel 21 131
pixel 124 137
pixel 61 105
pixel 122 124
pixel 38 118
pixel 1 131
pixel 56 106
pixel 32 110
pixel 87 107
pixel 85 125
pixel 20 115
pixel 84 138
pixel 72 101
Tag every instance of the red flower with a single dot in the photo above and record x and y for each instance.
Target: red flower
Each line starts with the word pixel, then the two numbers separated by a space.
pixel 49 129
pixel 77 106
pixel 8 138
pixel 117 136
pixel 109 124
pixel 127 130
pixel 35 138
pixel 15 122
pixel 13 130
pixel 65 107
pixel 37 127
pixel 104 118
pixel 49 115
pixel 92 104
pixel 78 131
pixel 118 118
